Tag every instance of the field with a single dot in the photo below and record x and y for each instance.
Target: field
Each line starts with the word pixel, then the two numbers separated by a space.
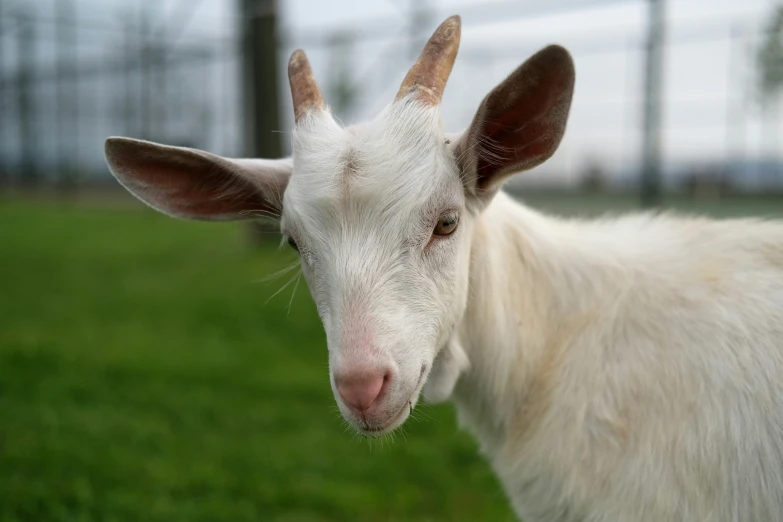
pixel 144 376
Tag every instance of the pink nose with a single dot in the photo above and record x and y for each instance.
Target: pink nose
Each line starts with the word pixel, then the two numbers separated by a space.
pixel 360 389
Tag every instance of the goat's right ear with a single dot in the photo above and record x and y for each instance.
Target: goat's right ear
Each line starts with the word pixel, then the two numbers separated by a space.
pixel 193 184
pixel 519 124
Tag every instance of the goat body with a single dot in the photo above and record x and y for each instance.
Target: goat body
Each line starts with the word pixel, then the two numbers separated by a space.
pixel 623 370
pixel 627 369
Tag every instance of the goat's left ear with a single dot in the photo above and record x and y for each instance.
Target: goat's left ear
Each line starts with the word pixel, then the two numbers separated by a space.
pixel 519 124
pixel 193 184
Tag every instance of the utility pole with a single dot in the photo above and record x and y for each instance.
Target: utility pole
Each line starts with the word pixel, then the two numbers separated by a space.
pixel 26 111
pixel 67 97
pixel 653 85
pixel 261 99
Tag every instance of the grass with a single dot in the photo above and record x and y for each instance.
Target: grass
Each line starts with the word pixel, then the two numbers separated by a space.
pixel 142 377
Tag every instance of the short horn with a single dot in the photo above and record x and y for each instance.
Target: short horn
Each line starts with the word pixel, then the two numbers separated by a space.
pixel 304 89
pixel 427 78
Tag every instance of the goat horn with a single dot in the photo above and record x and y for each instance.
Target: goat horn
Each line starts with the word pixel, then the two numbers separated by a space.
pixel 304 89
pixel 427 78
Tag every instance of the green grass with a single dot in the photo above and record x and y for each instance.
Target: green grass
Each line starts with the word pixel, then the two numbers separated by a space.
pixel 142 378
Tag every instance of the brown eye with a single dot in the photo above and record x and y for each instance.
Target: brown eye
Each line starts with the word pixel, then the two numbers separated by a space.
pixel 292 244
pixel 446 226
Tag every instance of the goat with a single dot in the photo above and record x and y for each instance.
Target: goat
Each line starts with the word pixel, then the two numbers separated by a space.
pixel 626 369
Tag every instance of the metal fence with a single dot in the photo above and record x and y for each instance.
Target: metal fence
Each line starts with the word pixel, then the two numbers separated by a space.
pixel 75 71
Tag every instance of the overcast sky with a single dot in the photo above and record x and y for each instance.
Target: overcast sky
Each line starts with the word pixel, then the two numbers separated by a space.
pixel 708 72
pixel 710 112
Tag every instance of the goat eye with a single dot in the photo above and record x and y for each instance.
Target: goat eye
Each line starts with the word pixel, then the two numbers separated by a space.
pixel 446 226
pixel 292 244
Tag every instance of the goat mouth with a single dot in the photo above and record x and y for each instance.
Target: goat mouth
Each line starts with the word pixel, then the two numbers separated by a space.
pixel 376 430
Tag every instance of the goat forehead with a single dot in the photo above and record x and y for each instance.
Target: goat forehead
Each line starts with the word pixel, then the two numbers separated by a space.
pixel 395 159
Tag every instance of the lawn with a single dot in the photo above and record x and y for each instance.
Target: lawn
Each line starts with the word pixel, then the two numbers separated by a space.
pixel 145 377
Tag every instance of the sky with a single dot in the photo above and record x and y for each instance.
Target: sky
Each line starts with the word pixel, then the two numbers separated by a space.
pixel 710 111
pixel 708 73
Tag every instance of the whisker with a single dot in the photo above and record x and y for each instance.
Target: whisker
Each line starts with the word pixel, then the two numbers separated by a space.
pixel 279 273
pixel 298 278
pixel 281 289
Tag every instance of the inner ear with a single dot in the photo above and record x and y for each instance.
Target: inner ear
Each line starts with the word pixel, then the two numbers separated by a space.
pixel 521 122
pixel 193 184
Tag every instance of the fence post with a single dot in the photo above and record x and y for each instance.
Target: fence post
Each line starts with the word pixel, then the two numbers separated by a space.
pixel 26 100
pixel 651 136
pixel 261 97
pixel 67 96
pixel 4 181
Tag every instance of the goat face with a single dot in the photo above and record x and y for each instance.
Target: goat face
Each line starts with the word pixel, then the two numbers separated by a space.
pixel 382 214
pixel 378 214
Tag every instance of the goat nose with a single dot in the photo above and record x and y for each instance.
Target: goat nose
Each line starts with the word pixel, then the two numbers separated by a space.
pixel 359 390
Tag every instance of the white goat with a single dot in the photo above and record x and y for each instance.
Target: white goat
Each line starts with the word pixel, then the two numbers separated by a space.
pixel 617 370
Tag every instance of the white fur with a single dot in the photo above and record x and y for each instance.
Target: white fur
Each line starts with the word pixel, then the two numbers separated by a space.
pixel 616 370
pixel 620 370
pixel 627 369
pixel 361 205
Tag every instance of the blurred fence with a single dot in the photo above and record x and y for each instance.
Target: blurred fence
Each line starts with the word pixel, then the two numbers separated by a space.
pixel 75 71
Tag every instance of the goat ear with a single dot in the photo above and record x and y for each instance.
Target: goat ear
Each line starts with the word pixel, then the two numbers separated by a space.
pixel 519 124
pixel 193 184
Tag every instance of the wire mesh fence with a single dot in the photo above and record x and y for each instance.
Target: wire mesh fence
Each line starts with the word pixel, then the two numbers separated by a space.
pixel 73 72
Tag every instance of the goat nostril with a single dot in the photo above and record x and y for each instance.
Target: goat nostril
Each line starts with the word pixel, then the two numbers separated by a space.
pixel 387 378
pixel 359 390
